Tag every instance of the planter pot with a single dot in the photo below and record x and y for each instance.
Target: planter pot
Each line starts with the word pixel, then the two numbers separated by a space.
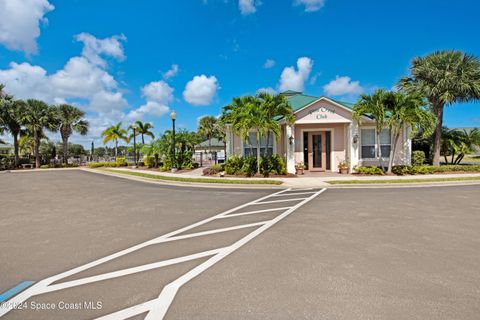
pixel 343 170
pixel 299 171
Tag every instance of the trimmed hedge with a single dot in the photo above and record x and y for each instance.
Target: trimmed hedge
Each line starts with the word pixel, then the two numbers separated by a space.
pixel 59 165
pixel 369 170
pixel 418 158
pixel 247 166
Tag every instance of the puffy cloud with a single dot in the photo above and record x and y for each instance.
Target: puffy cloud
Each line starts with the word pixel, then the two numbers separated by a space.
pixel 269 90
pixel 20 23
pixel 343 86
pixel 269 63
pixel 84 81
pixel 158 94
pixel 247 6
pixel 310 5
pixel 292 79
pixel 93 48
pixel 200 90
pixel 171 73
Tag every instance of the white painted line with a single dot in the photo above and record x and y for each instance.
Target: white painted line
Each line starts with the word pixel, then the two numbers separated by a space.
pixel 253 212
pixel 41 286
pixel 204 233
pixel 124 272
pixel 304 189
pixel 282 200
pixel 168 293
pixel 293 194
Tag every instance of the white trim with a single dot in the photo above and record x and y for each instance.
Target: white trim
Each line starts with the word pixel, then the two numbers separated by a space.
pixel 376 143
pixel 332 141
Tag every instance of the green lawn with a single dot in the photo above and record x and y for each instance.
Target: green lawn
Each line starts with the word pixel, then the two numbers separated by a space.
pixel 194 180
pixel 396 181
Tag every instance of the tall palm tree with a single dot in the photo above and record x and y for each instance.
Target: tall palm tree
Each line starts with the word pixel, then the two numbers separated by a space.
pixel 11 115
pixel 71 119
pixel 37 117
pixel 144 129
pixel 276 107
pixel 407 110
pixel 114 133
pixel 374 106
pixel 444 78
pixel 207 127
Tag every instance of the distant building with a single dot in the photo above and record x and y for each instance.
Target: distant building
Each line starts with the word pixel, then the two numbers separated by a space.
pixel 6 148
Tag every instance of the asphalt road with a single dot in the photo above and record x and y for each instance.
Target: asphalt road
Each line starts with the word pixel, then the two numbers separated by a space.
pixel 402 253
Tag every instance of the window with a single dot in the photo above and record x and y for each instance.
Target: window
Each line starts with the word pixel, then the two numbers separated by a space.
pixel 368 144
pixel 385 143
pixel 369 147
pixel 250 147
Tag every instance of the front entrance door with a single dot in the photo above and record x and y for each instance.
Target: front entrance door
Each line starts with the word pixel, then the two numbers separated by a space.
pixel 318 150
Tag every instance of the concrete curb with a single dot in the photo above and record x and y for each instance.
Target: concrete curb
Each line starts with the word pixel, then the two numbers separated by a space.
pixel 405 185
pixel 186 184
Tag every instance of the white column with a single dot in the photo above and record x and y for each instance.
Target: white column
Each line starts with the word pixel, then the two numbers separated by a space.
pixel 229 140
pixel 290 148
pixel 407 145
pixel 354 147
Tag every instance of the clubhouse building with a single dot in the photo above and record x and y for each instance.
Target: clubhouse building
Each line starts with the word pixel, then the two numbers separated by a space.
pixel 323 135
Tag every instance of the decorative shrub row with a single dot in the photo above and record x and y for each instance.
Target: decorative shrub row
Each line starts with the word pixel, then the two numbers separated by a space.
pixel 59 165
pixel 406 170
pixel 247 166
pixel 119 162
pixel 369 170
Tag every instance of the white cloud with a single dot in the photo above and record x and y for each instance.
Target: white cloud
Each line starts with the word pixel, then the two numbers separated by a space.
pixel 93 48
pixel 247 6
pixel 158 94
pixel 171 73
pixel 84 81
pixel 269 63
pixel 292 79
pixel 20 23
pixel 269 90
pixel 200 90
pixel 310 5
pixel 343 86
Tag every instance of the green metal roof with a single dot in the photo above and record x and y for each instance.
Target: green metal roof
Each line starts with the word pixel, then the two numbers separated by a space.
pixel 299 100
pixel 214 143
pixel 6 146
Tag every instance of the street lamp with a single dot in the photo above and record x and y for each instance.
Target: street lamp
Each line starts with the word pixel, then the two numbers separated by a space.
pixel 134 128
pixel 173 116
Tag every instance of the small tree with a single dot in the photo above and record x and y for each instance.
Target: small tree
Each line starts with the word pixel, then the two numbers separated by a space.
pixel 71 119
pixel 374 106
pixel 407 110
pixel 115 133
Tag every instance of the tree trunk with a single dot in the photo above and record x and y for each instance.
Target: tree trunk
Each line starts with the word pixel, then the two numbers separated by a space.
pixel 393 149
pixel 143 141
pixel 379 147
pixel 65 149
pixel 258 154
pixel 116 147
pixel 437 140
pixel 15 146
pixel 453 156
pixel 36 149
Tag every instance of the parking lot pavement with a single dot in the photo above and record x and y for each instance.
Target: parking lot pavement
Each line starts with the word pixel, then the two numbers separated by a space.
pixel 409 253
pixel 406 253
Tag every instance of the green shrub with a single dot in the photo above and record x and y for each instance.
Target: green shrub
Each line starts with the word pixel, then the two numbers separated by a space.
pixel 421 170
pixel 402 170
pixel 369 170
pixel 213 170
pixel 59 165
pixel 121 161
pixel 166 165
pixel 149 161
pixel 418 158
pixel 249 167
pixel 273 164
pixel 234 165
pixel 94 165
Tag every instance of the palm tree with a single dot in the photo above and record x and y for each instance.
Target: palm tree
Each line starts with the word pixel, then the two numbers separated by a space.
pixel 114 133
pixel 276 107
pixel 444 78
pixel 71 119
pixel 407 110
pixel 373 106
pixel 459 143
pixel 207 127
pixel 37 117
pixel 143 129
pixel 11 115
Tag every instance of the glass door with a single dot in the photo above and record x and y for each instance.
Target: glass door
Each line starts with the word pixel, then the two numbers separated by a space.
pixel 316 151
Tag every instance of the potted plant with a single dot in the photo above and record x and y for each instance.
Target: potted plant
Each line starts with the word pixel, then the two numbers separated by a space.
pixel 343 167
pixel 299 167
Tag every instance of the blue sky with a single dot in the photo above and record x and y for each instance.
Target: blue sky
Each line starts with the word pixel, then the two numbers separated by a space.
pixel 122 60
